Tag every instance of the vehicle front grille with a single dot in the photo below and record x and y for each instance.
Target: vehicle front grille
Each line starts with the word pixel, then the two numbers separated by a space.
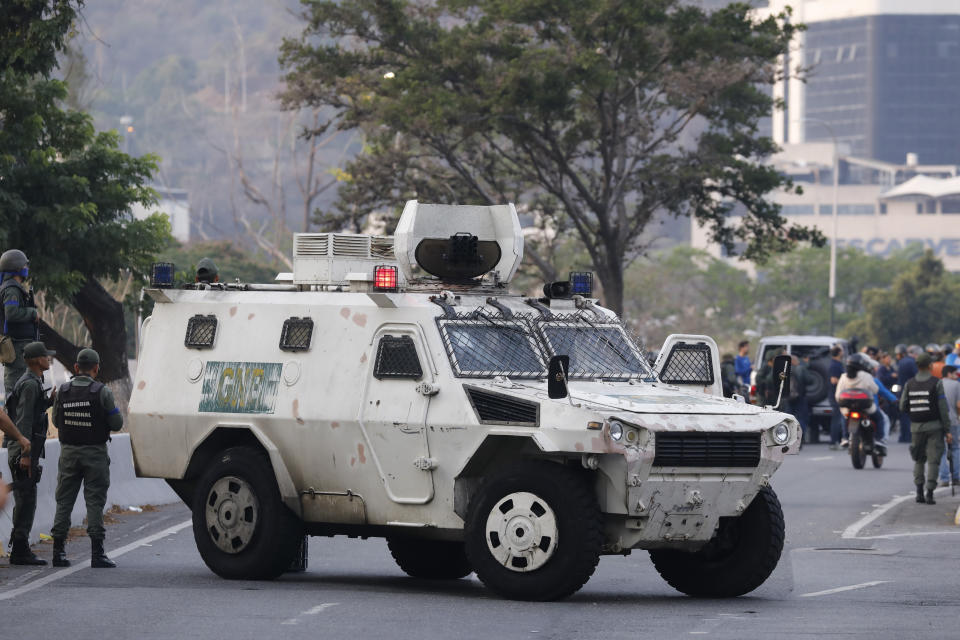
pixel 495 408
pixel 707 450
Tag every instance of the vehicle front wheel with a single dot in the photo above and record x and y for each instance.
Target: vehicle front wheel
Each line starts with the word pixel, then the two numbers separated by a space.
pixel 741 556
pixel 533 532
pixel 240 524
pixel 430 559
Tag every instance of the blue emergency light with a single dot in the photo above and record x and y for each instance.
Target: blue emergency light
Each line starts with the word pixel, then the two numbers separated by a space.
pixel 581 283
pixel 161 276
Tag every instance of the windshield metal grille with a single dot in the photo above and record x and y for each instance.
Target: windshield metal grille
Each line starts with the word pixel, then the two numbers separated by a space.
pixel 596 349
pixel 688 364
pixel 707 450
pixel 482 346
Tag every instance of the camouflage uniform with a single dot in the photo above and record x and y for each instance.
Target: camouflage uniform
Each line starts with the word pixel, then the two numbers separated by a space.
pixel 88 464
pixel 20 320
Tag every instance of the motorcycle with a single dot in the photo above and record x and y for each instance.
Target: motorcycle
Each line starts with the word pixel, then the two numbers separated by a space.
pixel 854 404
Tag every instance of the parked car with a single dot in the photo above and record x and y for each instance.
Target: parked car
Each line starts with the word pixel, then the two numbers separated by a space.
pixel 817 348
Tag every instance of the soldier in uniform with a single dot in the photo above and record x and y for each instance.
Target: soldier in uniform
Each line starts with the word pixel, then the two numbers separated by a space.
pixel 925 402
pixel 85 413
pixel 20 316
pixel 207 271
pixel 31 421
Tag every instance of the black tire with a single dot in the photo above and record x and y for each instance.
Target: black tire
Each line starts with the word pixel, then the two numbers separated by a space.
pixel 430 559
pixel 857 455
pixel 741 556
pixel 819 380
pixel 237 505
pixel 550 514
pixel 877 460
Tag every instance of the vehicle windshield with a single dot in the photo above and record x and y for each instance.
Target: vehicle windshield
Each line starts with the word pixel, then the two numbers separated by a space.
pixel 595 350
pixel 490 347
pixel 484 346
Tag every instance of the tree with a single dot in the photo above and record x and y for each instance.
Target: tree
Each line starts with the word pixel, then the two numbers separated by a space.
pixel 66 190
pixel 603 111
pixel 921 306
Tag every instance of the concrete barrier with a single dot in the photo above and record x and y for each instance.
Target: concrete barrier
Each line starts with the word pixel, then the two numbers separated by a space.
pixel 126 489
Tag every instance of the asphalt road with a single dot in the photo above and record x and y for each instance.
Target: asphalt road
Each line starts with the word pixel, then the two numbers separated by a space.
pixel 851 568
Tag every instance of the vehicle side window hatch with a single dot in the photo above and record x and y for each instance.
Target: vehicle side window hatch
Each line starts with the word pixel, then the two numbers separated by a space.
pixel 296 334
pixel 201 332
pixel 688 364
pixel 397 358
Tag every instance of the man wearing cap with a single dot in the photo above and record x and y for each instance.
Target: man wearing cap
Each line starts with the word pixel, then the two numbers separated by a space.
pixel 924 400
pixel 207 271
pixel 20 316
pixel 30 406
pixel 85 413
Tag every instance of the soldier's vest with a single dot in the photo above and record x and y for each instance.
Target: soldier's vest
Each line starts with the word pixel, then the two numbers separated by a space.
pixel 17 330
pixel 81 416
pixel 922 400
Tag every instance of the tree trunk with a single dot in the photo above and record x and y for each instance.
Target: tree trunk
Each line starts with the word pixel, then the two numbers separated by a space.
pixel 610 273
pixel 103 316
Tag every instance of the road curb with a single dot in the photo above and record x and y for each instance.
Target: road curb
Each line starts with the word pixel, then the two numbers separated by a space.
pixel 956 518
pixel 126 489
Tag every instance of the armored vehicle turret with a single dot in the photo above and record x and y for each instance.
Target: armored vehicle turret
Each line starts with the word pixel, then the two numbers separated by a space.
pixel 397 388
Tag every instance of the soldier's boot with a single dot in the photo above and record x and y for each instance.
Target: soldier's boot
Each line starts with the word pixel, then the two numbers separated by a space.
pixel 22 554
pixel 930 499
pixel 60 553
pixel 98 557
pixel 920 497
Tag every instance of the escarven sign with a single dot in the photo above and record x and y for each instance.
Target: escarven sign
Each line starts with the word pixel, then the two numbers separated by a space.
pixel 941 247
pixel 240 387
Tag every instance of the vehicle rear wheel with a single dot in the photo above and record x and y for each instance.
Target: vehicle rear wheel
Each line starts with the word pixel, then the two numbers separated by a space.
pixel 877 460
pixel 533 532
pixel 240 524
pixel 741 556
pixel 430 559
pixel 857 455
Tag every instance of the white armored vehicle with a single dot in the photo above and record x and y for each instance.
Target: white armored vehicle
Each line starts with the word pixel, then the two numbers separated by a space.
pixel 394 387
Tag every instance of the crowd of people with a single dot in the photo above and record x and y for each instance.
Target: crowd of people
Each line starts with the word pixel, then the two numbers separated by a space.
pixel 915 391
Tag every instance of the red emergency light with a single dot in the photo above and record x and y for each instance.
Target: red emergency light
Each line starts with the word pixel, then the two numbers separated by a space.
pixel 385 278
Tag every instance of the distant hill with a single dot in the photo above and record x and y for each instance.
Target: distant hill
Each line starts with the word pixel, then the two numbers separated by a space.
pixel 196 80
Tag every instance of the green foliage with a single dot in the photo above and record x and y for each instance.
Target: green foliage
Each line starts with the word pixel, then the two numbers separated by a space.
pixel 32 32
pixel 601 111
pixel 232 261
pixel 689 291
pixel 921 306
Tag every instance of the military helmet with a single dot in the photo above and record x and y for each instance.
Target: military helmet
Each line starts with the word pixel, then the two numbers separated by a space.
pixel 13 261
pixel 900 349
pixel 932 348
pixel 206 270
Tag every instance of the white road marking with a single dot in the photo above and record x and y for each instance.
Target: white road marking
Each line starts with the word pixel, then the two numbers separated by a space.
pixel 58 574
pixel 310 612
pixel 856 527
pixel 822 458
pixel 827 592
pixel 910 535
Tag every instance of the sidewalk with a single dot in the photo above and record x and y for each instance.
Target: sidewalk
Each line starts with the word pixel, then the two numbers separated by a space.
pixel 911 517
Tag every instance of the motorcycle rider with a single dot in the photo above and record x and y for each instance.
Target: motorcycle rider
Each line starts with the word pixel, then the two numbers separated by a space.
pixel 858 376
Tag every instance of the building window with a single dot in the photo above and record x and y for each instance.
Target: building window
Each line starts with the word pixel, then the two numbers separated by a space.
pixel 883 208
pixel 950 205
pixel 797 210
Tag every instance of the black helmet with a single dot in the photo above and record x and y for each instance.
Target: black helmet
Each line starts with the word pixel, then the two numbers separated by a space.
pixel 859 362
pixel 13 261
pixel 900 349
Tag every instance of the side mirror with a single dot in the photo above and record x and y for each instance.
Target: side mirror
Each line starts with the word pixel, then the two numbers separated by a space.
pixel 557 377
pixel 781 374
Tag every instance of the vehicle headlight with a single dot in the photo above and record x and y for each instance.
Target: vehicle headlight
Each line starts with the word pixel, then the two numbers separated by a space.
pixel 781 433
pixel 616 430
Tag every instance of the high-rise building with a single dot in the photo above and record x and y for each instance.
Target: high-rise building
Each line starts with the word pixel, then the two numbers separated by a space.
pixel 880 76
